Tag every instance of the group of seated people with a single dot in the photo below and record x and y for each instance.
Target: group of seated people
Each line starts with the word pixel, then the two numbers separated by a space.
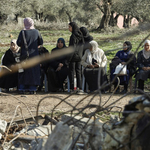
pixel 138 67
pixel 86 61
pixel 93 63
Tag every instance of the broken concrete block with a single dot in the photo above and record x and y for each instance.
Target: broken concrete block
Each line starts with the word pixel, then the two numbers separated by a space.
pixel 41 130
pixel 93 132
pixel 3 125
pixel 38 144
pixel 122 134
pixel 60 139
pixel 96 131
pixel 75 120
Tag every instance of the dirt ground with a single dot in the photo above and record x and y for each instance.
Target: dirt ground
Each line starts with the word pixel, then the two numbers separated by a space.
pixel 28 103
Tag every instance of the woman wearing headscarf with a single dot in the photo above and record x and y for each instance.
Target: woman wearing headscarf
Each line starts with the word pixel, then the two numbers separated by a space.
pixel 58 71
pixel 10 58
pixel 122 57
pixel 93 60
pixel 76 40
pixel 143 63
pixel 43 66
pixel 87 37
pixel 29 79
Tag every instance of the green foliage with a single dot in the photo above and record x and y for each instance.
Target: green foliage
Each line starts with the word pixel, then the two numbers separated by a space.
pixel 106 42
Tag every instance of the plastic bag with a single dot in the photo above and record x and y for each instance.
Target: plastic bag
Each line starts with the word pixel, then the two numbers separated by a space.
pixel 123 71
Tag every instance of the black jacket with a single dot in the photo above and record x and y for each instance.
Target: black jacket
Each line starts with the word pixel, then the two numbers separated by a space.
pixel 9 80
pixel 43 51
pixel 77 41
pixel 63 59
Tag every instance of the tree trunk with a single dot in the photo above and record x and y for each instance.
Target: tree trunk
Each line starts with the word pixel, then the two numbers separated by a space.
pixel 127 21
pixel 3 17
pixel 46 18
pixel 113 20
pixel 36 15
pixel 41 16
pixel 106 15
pixel 70 19
pixel 16 17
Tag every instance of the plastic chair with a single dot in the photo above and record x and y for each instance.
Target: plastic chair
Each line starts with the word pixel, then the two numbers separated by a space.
pixel 45 83
pixel 83 84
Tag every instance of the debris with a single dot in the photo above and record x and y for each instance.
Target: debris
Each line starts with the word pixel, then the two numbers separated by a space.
pixel 3 125
pixel 60 138
pixel 78 132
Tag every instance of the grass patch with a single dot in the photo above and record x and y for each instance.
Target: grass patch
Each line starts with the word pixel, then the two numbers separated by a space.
pixel 106 116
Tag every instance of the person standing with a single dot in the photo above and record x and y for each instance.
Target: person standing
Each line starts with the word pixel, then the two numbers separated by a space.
pixel 76 40
pixel 29 79
pixel 87 38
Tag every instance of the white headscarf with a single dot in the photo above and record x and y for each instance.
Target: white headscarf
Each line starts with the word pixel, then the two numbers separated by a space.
pixel 146 54
pixel 94 45
pixel 16 46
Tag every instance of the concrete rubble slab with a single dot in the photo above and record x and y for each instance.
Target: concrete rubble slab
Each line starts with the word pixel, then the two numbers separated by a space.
pixel 60 138
pixel 3 125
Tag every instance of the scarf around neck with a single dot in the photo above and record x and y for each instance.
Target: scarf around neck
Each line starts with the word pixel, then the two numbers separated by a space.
pixel 146 54
pixel 16 46
pixel 94 45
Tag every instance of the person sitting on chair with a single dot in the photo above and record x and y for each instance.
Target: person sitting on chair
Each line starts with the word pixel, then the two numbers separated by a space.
pixel 143 63
pixel 94 60
pixel 10 59
pixel 122 57
pixel 58 68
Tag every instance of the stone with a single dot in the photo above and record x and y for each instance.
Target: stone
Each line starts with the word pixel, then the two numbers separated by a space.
pixel 60 138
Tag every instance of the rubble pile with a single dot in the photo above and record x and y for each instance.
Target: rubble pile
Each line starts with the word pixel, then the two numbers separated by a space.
pixel 131 133
pixel 75 132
